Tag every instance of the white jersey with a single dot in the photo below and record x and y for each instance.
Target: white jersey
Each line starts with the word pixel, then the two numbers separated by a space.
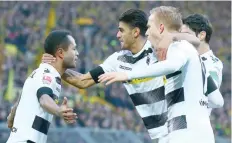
pixel 214 67
pixel 188 120
pixel 31 122
pixel 147 94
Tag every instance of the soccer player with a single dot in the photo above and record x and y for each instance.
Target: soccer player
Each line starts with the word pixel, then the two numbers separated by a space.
pixel 137 53
pixel 200 26
pixel 38 102
pixel 188 120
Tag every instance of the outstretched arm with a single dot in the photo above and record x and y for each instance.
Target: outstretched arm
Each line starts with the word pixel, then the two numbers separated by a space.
pixel 176 59
pixel 188 37
pixel 75 78
pixel 10 117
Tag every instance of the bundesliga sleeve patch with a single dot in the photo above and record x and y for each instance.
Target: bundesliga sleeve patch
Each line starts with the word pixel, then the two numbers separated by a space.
pixel 47 79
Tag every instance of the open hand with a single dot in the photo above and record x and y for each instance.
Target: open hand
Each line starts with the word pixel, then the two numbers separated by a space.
pixel 47 58
pixel 67 113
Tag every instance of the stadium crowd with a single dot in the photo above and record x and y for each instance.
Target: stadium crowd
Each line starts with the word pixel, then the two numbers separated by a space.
pixel 94 26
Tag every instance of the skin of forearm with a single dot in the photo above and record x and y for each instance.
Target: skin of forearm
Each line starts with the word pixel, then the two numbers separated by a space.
pixel 74 78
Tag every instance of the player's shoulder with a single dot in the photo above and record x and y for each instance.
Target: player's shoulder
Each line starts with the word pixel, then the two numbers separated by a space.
pixel 182 45
pixel 44 69
pixel 44 72
pixel 117 54
pixel 122 52
pixel 211 59
pixel 218 63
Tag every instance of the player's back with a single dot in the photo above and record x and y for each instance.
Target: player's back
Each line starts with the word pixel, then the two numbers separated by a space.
pixel 31 122
pixel 188 119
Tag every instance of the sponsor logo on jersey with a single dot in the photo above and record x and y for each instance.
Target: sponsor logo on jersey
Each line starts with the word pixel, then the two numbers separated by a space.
pixel 125 68
pixel 139 80
pixel 47 79
pixel 203 103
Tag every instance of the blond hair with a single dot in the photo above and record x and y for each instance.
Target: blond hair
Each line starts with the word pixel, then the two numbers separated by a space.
pixel 169 16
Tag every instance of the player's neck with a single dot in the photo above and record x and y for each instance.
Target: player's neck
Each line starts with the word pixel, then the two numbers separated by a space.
pixel 58 67
pixel 166 39
pixel 138 45
pixel 203 48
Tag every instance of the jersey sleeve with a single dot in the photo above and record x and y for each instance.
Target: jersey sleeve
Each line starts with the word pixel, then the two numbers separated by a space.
pixel 109 65
pixel 216 73
pixel 215 98
pixel 177 57
pixel 46 83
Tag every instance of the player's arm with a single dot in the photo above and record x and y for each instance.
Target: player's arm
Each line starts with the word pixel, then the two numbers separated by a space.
pixel 216 73
pixel 176 59
pixel 75 78
pixel 10 117
pixel 188 37
pixel 46 84
pixel 215 98
pixel 83 80
pixel 49 105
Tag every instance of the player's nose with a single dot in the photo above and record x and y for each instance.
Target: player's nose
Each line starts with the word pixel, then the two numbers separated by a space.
pixel 77 53
pixel 146 34
pixel 118 35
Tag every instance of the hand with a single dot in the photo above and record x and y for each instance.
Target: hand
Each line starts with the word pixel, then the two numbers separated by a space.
pixel 67 113
pixel 10 119
pixel 112 77
pixel 47 58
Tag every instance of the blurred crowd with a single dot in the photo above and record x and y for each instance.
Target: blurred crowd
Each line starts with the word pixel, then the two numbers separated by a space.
pixel 94 26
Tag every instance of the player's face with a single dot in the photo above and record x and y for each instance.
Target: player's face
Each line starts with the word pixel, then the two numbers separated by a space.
pixel 201 36
pixel 125 35
pixel 153 32
pixel 71 54
pixel 186 29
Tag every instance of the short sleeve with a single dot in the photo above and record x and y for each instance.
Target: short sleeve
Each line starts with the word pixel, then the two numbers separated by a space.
pixel 45 83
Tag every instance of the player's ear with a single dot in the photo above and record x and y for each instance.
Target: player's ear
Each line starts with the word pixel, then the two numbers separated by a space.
pixel 161 28
pixel 60 52
pixel 202 35
pixel 136 32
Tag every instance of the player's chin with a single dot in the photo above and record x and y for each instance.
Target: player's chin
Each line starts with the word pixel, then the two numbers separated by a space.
pixel 73 65
pixel 123 47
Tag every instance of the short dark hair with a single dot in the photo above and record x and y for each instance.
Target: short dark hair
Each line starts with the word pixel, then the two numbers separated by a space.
pixel 54 39
pixel 135 18
pixel 198 23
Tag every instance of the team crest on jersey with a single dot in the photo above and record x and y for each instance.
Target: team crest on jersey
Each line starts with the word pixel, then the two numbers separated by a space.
pixel 47 79
pixel 46 71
